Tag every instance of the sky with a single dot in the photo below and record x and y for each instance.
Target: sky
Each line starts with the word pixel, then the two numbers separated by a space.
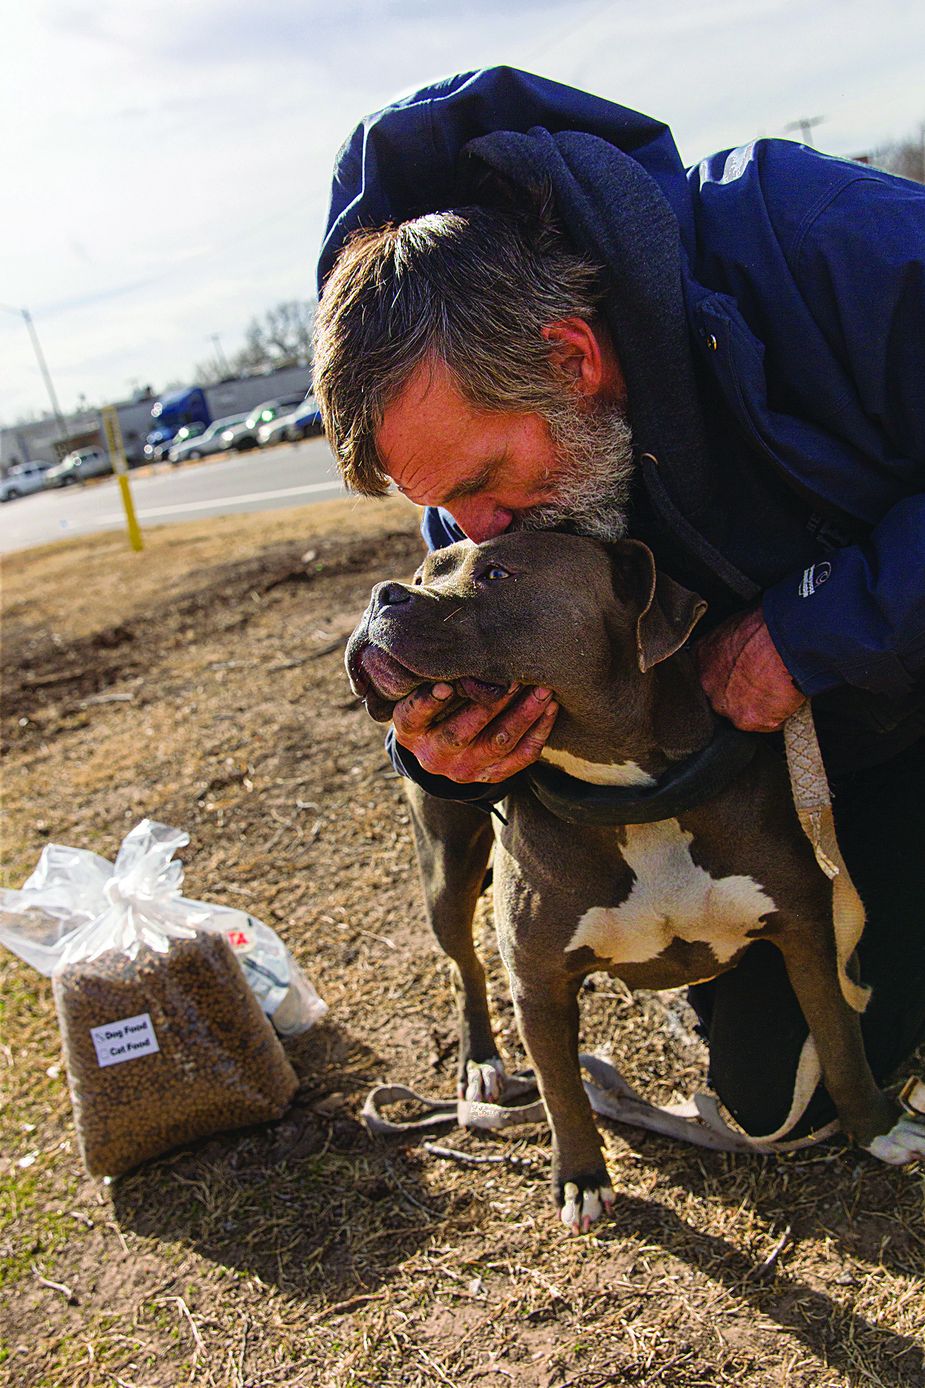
pixel 166 165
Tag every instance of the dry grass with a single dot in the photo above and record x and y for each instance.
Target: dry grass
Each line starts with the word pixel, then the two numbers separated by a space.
pixel 306 1253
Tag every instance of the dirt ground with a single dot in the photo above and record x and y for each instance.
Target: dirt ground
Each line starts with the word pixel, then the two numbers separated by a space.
pixel 201 683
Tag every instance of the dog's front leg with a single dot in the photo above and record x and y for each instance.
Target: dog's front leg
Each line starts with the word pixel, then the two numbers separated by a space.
pixel 547 1014
pixel 453 843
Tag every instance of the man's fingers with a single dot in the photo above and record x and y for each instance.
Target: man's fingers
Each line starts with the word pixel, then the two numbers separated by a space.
pixel 418 710
pixel 425 710
pixel 527 749
pixel 510 742
pixel 476 742
pixel 506 731
pixel 467 726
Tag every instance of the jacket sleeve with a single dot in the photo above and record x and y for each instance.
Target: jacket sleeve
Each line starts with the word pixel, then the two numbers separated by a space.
pixel 857 616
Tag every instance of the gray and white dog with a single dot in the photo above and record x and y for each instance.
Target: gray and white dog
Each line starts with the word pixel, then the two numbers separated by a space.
pixel 659 904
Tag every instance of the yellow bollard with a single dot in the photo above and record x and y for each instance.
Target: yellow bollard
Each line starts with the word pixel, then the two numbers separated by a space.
pixel 116 448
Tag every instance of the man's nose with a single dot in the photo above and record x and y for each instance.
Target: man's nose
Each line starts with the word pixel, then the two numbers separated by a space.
pixel 481 520
pixel 389 595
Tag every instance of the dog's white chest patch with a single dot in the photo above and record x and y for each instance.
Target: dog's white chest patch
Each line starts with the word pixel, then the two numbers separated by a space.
pixel 623 773
pixel 672 898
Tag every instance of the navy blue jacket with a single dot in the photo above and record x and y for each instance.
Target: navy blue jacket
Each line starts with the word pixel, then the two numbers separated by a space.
pixel 800 283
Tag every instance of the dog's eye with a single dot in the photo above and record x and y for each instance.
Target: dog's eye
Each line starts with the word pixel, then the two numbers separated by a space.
pixel 495 571
pixel 417 580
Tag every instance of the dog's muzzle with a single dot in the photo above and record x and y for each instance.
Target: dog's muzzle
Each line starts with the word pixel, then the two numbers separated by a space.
pixel 381 679
pixel 378 678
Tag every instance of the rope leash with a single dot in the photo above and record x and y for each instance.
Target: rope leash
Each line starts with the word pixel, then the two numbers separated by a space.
pixel 697 1121
pixel 810 787
pixel 463 1113
pixel 813 803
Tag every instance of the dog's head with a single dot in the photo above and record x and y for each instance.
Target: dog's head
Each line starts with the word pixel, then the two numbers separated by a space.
pixel 529 607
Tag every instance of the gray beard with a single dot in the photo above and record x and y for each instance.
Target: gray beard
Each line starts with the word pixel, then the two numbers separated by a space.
pixel 594 449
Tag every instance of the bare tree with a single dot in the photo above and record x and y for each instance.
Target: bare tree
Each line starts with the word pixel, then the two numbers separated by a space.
pixel 905 157
pixel 282 337
pixel 208 372
pixel 255 354
pixel 288 332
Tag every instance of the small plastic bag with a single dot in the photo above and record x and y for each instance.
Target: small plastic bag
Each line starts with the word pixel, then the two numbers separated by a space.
pixel 142 975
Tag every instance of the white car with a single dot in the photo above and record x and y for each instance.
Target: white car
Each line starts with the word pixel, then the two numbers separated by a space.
pixel 83 462
pixel 23 478
pixel 276 431
pixel 209 442
pixel 305 419
pixel 244 436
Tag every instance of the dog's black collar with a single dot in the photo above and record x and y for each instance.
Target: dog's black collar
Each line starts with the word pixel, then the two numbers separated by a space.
pixel 683 786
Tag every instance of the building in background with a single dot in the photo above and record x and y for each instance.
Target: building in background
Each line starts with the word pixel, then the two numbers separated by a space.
pixel 41 441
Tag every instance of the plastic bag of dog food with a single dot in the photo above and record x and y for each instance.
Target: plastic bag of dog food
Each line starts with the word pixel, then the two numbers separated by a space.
pixel 162 1001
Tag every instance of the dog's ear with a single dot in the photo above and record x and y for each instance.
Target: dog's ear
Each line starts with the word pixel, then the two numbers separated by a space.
pixel 668 612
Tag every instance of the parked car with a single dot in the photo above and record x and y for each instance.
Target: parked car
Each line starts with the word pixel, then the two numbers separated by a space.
pixel 187 432
pixel 23 478
pixel 155 450
pixel 297 425
pixel 307 420
pixel 208 442
pixel 159 451
pixel 276 431
pixel 78 466
pixel 245 435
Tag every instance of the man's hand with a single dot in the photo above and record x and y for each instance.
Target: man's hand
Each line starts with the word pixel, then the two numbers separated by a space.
pixel 744 677
pixel 477 742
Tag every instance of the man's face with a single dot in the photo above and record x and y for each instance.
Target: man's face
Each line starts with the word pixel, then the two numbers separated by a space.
pixel 496 471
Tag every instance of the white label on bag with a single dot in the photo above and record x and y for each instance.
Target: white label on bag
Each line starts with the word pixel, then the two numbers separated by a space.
pixel 125 1040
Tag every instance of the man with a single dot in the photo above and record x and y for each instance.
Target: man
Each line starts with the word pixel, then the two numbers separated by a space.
pixel 546 321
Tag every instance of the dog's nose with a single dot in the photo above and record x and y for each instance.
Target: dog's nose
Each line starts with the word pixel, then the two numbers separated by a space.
pixel 390 595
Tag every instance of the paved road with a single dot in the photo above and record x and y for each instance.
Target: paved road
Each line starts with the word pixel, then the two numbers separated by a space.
pixel 290 475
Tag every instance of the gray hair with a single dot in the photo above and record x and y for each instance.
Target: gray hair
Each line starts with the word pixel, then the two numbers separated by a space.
pixel 471 288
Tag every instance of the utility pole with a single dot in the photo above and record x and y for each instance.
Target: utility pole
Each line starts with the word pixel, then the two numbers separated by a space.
pixel 43 365
pixel 805 126
pixel 220 357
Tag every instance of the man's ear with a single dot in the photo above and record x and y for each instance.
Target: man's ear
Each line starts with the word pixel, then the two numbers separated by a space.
pixel 575 351
pixel 667 612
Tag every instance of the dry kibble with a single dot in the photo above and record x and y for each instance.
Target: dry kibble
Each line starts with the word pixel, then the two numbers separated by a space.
pixel 208 1059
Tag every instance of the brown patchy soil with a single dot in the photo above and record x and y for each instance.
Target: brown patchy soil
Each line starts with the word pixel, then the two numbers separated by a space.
pixel 202 684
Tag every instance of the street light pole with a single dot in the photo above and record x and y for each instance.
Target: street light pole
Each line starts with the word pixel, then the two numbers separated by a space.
pixel 220 357
pixel 805 126
pixel 43 365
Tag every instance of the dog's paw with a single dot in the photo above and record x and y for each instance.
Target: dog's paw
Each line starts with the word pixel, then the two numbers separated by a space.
pixel 582 1206
pixel 484 1082
pixel 905 1142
